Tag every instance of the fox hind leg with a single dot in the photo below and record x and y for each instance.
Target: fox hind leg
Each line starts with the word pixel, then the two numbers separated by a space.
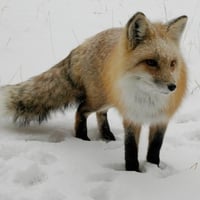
pixel 104 127
pixel 82 114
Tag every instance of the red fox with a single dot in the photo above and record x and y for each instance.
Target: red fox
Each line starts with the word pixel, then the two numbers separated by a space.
pixel 138 69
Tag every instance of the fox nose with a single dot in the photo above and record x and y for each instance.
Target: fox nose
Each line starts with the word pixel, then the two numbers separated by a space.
pixel 171 87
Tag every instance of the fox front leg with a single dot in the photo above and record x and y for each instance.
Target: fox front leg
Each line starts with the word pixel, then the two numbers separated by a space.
pixel 132 134
pixel 156 136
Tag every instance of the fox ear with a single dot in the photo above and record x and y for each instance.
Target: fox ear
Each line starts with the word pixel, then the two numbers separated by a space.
pixel 176 27
pixel 137 29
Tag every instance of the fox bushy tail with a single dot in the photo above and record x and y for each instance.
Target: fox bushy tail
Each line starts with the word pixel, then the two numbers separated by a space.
pixel 35 99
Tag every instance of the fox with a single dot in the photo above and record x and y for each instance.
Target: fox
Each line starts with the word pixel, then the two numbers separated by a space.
pixel 137 69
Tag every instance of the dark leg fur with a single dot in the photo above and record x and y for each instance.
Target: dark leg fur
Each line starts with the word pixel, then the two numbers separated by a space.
pixel 104 126
pixel 155 142
pixel 131 153
pixel 131 147
pixel 81 122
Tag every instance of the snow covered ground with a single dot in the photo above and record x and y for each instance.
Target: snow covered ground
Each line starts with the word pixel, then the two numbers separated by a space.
pixel 47 162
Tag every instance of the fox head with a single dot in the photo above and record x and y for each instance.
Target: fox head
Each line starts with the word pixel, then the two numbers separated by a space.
pixel 153 58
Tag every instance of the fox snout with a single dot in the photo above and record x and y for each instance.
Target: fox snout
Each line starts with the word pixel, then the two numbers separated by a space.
pixel 165 87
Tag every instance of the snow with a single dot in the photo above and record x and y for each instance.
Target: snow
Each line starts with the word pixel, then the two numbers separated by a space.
pixel 47 162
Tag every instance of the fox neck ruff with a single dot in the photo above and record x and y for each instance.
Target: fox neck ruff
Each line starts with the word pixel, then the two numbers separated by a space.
pixel 140 103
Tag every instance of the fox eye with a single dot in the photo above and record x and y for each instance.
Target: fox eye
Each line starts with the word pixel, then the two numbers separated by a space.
pixel 152 63
pixel 173 64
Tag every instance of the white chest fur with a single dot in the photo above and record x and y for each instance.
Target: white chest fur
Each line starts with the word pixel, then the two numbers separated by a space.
pixel 142 104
